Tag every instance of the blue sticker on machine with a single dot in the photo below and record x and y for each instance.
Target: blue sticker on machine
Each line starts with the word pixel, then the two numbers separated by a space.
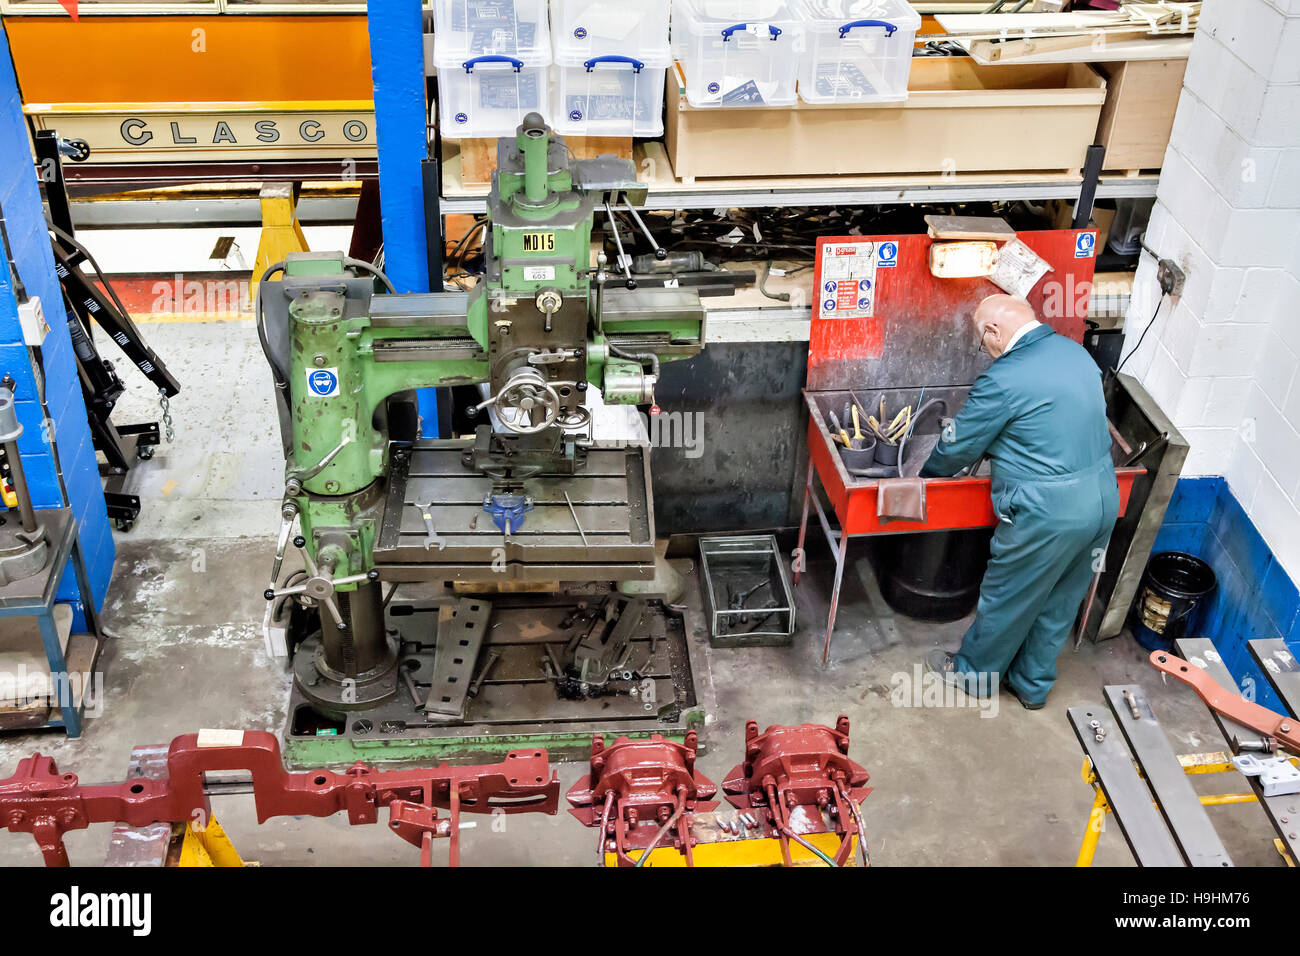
pixel 580 33
pixel 323 382
pixel 887 255
pixel 828 305
pixel 462 118
pixel 1085 245
pixel 832 285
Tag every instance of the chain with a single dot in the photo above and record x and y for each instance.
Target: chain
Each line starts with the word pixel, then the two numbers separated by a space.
pixel 166 407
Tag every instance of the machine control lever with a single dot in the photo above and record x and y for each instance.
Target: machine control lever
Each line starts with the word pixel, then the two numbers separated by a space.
pixel 307 474
pixel 320 586
pixel 624 260
pixel 660 252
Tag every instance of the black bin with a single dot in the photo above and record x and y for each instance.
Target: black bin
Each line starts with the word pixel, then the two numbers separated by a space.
pixel 1174 584
pixel 933 576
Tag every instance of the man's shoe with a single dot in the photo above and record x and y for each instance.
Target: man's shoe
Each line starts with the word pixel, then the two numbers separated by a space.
pixel 944 663
pixel 1028 705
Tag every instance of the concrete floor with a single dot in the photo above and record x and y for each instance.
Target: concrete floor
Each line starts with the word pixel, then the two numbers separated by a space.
pixel 956 785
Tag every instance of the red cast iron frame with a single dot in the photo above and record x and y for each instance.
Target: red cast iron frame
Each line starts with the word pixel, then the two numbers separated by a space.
pixel 639 791
pixel 801 780
pixel 40 800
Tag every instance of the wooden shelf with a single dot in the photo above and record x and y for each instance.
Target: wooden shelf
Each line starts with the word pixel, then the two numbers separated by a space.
pixel 667 193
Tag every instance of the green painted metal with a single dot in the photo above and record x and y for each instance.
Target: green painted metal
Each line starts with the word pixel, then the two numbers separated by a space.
pixel 332 750
pixel 540 239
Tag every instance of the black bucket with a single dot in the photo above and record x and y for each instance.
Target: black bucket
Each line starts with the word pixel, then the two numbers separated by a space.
pixel 1173 586
pixel 935 576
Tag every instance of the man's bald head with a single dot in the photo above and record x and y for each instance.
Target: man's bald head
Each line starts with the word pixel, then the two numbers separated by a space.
pixel 998 318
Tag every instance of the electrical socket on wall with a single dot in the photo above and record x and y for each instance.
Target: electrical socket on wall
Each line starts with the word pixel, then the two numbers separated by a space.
pixel 1171 277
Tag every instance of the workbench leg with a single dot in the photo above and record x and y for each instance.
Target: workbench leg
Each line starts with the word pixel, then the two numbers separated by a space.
pixel 801 557
pixel 840 561
pixel 1090 836
pixel 88 609
pixel 61 690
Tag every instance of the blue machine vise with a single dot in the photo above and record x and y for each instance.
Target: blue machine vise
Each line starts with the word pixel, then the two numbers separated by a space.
pixel 508 511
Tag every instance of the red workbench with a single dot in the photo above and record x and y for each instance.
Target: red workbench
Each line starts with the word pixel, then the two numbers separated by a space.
pixel 884 325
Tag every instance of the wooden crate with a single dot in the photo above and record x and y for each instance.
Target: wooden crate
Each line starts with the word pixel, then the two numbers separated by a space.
pixel 1141 99
pixel 479 156
pixel 958 118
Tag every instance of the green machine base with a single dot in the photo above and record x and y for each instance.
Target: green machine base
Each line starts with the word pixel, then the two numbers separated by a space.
pixel 514 700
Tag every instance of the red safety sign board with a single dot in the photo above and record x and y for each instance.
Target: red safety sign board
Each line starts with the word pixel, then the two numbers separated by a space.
pixel 880 317
pixel 846 276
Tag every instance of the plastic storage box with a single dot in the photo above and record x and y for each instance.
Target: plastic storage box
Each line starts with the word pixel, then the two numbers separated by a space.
pixel 489 95
pixel 470 28
pixel 610 95
pixel 857 51
pixel 587 28
pixel 737 52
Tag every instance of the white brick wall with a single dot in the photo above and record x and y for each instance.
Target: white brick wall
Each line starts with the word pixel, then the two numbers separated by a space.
pixel 1224 359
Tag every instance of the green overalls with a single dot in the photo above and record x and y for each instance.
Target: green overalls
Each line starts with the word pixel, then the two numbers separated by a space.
pixel 1039 414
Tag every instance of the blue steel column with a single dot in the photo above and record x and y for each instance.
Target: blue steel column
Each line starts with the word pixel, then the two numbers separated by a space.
pixel 401 119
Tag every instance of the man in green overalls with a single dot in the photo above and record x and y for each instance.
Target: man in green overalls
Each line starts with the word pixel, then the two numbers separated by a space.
pixel 1039 414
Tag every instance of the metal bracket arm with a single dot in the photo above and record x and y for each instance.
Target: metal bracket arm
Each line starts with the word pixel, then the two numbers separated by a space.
pixel 1230 705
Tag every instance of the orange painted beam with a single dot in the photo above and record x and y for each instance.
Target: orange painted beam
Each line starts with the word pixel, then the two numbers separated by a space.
pixel 191 59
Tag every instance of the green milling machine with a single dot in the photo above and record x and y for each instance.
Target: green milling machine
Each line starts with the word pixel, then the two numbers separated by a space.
pixel 459 598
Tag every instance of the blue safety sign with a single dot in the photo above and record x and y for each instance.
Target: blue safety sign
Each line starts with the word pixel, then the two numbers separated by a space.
pixel 1085 244
pixel 323 382
pixel 828 305
pixel 887 255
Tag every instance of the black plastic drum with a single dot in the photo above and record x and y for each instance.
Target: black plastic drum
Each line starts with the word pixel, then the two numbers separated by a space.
pixel 933 576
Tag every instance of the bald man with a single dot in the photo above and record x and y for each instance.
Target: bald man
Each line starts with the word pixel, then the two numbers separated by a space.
pixel 1038 413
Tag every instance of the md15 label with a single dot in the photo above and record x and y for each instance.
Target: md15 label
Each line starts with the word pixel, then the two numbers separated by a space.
pixel 539 242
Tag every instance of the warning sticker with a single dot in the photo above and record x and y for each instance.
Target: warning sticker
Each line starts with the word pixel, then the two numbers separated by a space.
pixel 848 279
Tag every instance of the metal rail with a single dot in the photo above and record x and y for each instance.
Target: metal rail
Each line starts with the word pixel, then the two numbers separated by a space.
pixel 1175 796
pixel 690 197
pixel 1129 798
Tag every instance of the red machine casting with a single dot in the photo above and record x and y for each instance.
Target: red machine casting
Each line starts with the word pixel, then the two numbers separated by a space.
pixel 800 780
pixel 640 791
pixel 40 800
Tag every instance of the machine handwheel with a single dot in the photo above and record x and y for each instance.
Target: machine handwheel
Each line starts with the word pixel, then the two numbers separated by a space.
pixel 528 392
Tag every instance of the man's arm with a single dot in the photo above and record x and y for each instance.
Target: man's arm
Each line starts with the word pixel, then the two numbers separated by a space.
pixel 980 421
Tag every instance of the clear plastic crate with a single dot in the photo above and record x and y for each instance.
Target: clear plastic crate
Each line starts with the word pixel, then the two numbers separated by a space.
pixel 470 28
pixel 587 28
pixel 857 51
pixel 489 95
pixel 737 52
pixel 610 94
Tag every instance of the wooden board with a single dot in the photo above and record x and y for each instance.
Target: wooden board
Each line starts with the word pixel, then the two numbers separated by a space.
pixel 1143 48
pixel 479 156
pixel 958 118
pixel 970 227
pixel 1138 118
